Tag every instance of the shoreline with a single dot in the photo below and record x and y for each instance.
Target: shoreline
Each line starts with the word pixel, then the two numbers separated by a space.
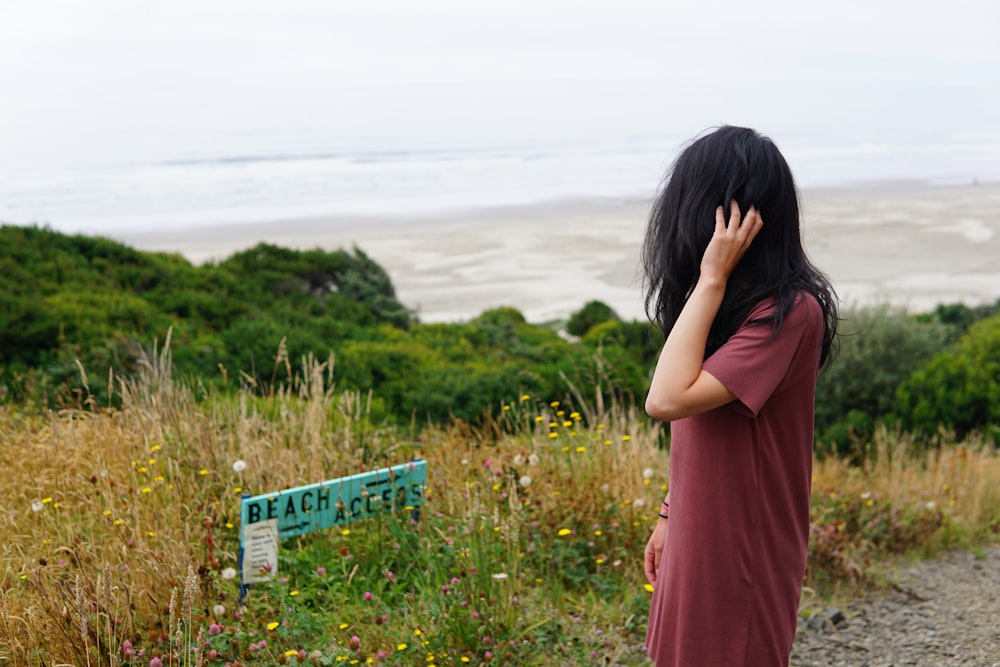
pixel 899 243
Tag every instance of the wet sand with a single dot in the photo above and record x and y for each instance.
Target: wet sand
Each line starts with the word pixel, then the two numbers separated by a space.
pixel 909 244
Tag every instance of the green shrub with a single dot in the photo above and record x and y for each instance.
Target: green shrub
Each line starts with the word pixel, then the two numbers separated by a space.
pixel 879 348
pixel 592 314
pixel 959 389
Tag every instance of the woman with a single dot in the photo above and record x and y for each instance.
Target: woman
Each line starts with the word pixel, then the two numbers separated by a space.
pixel 749 322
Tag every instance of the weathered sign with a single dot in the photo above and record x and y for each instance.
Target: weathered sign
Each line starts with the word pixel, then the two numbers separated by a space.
pixel 268 518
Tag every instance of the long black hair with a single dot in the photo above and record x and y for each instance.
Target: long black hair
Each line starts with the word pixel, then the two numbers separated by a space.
pixel 726 164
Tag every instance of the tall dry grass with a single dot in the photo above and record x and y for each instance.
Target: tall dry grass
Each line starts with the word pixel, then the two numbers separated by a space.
pixel 117 524
pixel 106 511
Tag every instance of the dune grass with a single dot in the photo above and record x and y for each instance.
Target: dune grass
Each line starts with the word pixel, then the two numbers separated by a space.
pixel 119 529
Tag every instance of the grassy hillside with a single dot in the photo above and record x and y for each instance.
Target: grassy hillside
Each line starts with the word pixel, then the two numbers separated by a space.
pixel 119 529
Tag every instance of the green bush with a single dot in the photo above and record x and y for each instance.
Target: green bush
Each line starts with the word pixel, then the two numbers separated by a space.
pixel 879 348
pixel 959 389
pixel 592 314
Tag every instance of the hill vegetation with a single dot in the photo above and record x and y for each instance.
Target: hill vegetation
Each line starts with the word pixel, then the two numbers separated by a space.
pixel 70 301
pixel 177 388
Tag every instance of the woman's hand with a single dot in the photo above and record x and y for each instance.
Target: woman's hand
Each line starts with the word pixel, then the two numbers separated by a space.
pixel 729 242
pixel 654 550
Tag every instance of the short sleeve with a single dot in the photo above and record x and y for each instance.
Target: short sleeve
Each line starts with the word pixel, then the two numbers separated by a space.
pixel 752 363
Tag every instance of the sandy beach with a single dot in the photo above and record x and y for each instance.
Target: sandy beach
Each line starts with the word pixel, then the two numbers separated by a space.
pixel 910 244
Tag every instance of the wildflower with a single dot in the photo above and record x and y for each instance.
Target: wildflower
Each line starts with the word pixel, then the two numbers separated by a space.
pixel 229 573
pixel 648 473
pixel 518 459
pixel 46 501
pixel 214 629
pixel 203 472
pixel 581 450
pixel 638 502
pixel 648 587
pixel 239 465
pixel 37 506
pixel 401 647
pixel 525 481
pixel 218 610
pixel 563 532
pixel 145 489
pixel 390 575
pixel 273 625
pixel 368 597
pixel 127 650
pixel 533 459
pixel 500 576
pixel 553 434
pixel 506 408
pixel 291 652
pixel 293 593
pixel 355 643
pixel 525 397
pixel 155 662
pixel 626 438
pixel 554 404
pixel 345 532
pixel 539 419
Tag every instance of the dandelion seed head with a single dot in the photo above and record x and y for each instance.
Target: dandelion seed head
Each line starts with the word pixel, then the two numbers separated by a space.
pixel 525 481
pixel 37 506
pixel 533 459
pixel 229 573
pixel 239 465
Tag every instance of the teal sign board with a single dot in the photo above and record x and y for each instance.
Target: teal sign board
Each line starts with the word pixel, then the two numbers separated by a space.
pixel 335 502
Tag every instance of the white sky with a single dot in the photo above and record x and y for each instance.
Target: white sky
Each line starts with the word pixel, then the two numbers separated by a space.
pixel 72 68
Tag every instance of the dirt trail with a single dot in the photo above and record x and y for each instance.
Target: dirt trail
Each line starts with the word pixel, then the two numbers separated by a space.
pixel 940 613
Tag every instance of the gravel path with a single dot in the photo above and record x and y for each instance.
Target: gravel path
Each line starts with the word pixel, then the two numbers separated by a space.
pixel 940 613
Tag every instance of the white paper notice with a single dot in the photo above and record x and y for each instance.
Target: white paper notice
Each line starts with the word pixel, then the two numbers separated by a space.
pixel 260 551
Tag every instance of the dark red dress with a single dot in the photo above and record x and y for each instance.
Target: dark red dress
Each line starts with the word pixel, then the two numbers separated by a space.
pixel 728 588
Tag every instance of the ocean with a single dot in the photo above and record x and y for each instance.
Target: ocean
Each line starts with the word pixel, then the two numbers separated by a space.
pixel 411 152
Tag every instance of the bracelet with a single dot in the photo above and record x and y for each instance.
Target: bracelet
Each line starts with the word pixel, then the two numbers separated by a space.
pixel 662 515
